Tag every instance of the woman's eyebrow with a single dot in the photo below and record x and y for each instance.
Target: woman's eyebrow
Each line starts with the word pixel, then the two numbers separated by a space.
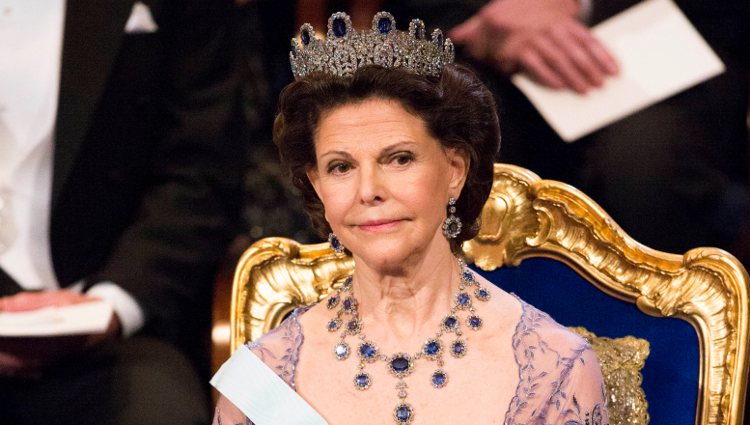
pixel 335 153
pixel 406 144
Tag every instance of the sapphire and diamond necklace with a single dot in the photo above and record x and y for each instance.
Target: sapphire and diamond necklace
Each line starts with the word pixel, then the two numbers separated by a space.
pixel 401 365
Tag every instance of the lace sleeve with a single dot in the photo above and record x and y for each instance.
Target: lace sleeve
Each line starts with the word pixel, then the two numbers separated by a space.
pixel 580 397
pixel 279 349
pixel 560 382
pixel 228 414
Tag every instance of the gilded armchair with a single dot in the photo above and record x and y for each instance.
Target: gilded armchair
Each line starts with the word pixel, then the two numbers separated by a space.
pixel 678 322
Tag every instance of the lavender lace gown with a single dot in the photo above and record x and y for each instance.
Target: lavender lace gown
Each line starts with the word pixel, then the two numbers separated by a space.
pixel 560 382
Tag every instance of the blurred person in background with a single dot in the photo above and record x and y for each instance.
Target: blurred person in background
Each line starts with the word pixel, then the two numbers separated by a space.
pixel 120 170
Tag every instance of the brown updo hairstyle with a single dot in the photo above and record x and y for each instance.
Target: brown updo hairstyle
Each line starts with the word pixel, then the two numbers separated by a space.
pixel 457 108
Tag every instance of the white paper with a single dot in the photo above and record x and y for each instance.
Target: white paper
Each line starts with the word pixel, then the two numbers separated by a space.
pixel 660 54
pixel 83 318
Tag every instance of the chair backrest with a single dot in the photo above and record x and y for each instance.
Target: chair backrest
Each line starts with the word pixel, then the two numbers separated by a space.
pixel 558 250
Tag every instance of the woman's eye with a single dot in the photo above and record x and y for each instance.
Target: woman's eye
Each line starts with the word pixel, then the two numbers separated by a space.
pixel 403 158
pixel 338 168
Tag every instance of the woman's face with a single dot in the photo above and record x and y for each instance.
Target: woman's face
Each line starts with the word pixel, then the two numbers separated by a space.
pixel 384 181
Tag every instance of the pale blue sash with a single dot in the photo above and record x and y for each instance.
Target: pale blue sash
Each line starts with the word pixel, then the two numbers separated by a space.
pixel 261 394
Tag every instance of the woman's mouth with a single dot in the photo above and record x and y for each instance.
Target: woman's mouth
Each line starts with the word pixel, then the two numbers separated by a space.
pixel 378 225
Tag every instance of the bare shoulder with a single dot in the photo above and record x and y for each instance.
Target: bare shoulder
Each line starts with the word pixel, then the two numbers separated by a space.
pixel 504 309
pixel 314 319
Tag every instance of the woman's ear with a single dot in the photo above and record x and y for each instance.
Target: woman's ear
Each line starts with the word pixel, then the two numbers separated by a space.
pixel 458 162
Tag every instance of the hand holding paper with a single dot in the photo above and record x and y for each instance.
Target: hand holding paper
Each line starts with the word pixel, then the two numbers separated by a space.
pixel 660 54
pixel 542 38
pixel 36 328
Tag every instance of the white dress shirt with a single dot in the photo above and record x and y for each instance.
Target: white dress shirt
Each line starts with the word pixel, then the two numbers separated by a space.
pixel 31 33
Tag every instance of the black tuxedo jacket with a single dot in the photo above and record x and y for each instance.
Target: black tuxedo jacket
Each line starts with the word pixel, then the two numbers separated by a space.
pixel 146 162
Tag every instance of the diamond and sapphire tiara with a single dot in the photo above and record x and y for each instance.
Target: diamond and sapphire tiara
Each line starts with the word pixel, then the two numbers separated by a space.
pixel 346 49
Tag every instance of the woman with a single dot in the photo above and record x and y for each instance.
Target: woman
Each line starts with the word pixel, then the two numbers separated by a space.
pixel 396 161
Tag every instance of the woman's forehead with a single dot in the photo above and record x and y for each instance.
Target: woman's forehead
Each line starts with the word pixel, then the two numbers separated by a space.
pixel 373 121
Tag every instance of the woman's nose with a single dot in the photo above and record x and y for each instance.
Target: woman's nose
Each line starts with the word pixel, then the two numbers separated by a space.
pixel 371 185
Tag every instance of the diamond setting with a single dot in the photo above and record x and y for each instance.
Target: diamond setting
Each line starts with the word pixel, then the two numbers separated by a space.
pixel 439 378
pixel 450 323
pixel 353 326
pixel 401 365
pixel 463 300
pixel 333 325
pixel 458 349
pixel 345 49
pixel 341 350
pixel 432 349
pixel 368 352
pixel 362 381
pixel 332 302
pixel 474 322
pixel 482 294
pixel 349 305
pixel 403 413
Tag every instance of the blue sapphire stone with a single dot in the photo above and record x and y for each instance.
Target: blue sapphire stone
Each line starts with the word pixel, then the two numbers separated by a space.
pixel 432 348
pixel 458 349
pixel 352 326
pixel 463 299
pixel 403 414
pixel 362 381
pixel 483 294
pixel 467 276
pixel 420 33
pixel 384 26
pixel 305 36
pixel 439 40
pixel 368 351
pixel 475 322
pixel 450 322
pixel 333 325
pixel 339 27
pixel 439 379
pixel 400 364
pixel 332 302
pixel 348 304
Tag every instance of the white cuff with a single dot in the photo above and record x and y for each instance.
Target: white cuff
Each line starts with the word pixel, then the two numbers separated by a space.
pixel 125 306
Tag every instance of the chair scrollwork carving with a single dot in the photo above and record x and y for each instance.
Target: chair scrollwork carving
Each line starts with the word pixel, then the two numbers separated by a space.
pixel 527 217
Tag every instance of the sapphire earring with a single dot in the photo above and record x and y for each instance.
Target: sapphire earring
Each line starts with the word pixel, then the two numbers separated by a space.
pixel 452 224
pixel 335 243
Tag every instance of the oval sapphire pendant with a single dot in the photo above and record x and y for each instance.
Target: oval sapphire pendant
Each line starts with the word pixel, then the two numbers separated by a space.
pixel 403 413
pixel 401 365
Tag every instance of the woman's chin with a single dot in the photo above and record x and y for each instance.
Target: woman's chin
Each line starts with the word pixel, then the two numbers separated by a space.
pixel 384 253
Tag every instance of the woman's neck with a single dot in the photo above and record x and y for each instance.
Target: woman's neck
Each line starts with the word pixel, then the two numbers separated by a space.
pixel 405 305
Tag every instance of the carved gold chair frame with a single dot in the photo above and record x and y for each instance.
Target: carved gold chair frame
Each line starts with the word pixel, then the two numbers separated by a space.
pixel 528 217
